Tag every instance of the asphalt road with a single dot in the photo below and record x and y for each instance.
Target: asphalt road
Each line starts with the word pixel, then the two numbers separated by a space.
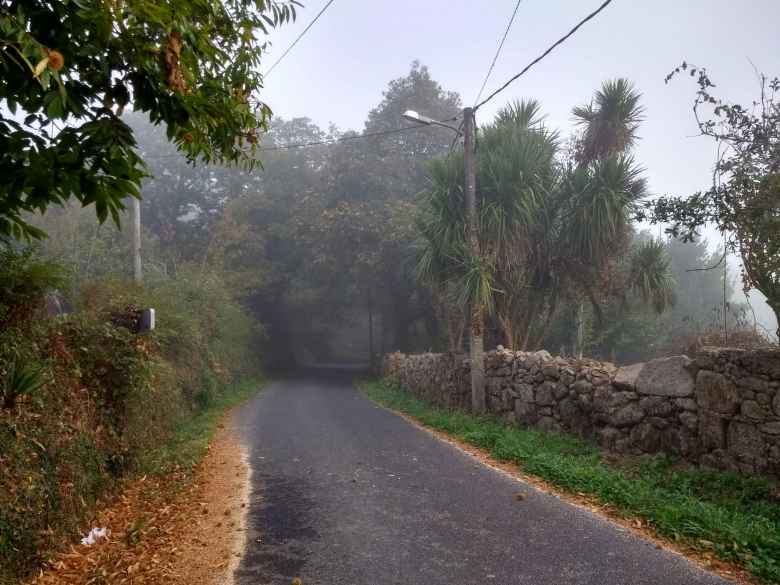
pixel 347 493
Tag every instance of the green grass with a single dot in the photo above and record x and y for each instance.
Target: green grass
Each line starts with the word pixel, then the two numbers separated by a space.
pixel 735 517
pixel 192 436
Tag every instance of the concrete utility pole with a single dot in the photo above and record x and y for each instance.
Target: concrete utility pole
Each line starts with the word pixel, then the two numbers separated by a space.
pixel 476 318
pixel 135 206
pixel 476 312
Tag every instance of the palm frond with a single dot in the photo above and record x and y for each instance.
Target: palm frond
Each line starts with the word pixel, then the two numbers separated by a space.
pixel 610 122
pixel 525 114
pixel 651 276
pixel 601 197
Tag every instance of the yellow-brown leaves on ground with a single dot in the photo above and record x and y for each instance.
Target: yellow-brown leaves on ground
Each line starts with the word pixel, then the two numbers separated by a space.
pixel 160 531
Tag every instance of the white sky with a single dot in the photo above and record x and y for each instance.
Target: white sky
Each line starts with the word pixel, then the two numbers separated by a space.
pixel 338 71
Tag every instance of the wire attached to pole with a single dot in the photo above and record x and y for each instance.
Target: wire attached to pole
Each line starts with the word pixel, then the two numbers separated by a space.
pixel 315 142
pixel 498 51
pixel 298 38
pixel 543 55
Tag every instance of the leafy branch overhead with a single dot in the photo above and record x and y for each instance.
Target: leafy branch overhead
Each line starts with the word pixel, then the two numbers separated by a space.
pixel 69 68
pixel 743 201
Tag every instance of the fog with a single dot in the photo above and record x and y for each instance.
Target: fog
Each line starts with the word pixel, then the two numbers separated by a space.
pixel 324 241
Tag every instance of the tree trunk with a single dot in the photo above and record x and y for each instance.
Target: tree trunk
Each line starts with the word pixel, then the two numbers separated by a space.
pixel 578 335
pixel 552 308
pixel 454 340
pixel 456 326
pixel 136 239
pixel 477 353
pixel 507 330
pixel 533 307
pixel 370 330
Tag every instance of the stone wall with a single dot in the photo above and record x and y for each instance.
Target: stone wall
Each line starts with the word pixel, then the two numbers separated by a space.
pixel 721 409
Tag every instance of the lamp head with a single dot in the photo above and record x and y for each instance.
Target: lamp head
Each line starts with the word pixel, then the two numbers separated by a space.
pixel 413 116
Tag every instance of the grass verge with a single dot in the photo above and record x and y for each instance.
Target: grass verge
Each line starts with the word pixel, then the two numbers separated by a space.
pixel 191 439
pixel 734 517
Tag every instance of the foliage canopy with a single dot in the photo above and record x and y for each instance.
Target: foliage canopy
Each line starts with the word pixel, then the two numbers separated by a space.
pixel 68 68
pixel 552 228
pixel 743 201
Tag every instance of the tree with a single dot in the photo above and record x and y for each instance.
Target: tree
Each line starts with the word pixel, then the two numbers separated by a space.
pixel 371 185
pixel 394 173
pixel 182 202
pixel 700 287
pixel 550 230
pixel 402 156
pixel 69 69
pixel 610 121
pixel 609 130
pixel 744 199
pixel 324 236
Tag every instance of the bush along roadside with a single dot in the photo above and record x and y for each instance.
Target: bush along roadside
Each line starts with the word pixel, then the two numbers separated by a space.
pixel 86 404
pixel 736 518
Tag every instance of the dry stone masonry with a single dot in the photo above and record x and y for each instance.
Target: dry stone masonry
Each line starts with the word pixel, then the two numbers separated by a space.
pixel 720 409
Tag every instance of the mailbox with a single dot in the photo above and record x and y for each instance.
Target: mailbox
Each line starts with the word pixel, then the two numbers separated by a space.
pixel 146 322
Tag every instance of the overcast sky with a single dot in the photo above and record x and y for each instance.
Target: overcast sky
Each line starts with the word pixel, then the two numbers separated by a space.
pixel 338 71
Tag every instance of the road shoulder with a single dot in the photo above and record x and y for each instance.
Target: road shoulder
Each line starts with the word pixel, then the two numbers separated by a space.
pixel 175 529
pixel 705 561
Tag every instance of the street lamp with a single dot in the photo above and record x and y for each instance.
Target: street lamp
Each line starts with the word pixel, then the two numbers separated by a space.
pixel 476 314
pixel 413 116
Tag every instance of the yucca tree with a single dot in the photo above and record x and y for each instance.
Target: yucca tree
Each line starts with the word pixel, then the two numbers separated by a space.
pixel 550 231
pixel 542 225
pixel 518 178
pixel 650 277
pixel 443 247
pixel 610 121
pixel 609 130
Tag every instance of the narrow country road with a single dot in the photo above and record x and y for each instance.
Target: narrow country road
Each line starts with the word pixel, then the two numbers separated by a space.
pixel 347 493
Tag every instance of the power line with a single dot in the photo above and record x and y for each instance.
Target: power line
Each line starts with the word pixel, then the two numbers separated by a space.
pixel 343 139
pixel 355 137
pixel 543 55
pixel 298 38
pixel 498 51
pixel 314 142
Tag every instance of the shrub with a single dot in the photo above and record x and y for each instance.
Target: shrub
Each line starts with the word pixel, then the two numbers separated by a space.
pixel 84 400
pixel 206 336
pixel 24 280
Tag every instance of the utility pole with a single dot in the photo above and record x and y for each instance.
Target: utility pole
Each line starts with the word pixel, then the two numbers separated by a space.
pixel 476 311
pixel 370 331
pixel 476 317
pixel 135 206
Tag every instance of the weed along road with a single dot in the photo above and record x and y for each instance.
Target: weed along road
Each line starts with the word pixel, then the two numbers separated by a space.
pixel 347 493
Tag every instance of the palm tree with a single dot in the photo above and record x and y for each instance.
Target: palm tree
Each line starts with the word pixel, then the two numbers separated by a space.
pixel 610 122
pixel 650 276
pixel 549 231
pixel 609 130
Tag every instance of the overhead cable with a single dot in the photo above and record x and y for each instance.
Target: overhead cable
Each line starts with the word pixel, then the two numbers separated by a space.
pixel 543 55
pixel 298 38
pixel 498 51
pixel 315 142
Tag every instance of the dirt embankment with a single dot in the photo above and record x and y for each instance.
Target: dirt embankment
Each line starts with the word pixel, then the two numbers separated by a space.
pixel 174 530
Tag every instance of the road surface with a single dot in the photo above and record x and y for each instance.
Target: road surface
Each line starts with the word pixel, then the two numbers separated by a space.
pixel 347 493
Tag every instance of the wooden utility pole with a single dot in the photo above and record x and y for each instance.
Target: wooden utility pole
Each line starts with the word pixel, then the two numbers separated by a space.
pixel 135 206
pixel 476 317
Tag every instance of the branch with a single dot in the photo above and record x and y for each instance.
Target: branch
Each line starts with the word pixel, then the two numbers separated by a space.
pixel 713 267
